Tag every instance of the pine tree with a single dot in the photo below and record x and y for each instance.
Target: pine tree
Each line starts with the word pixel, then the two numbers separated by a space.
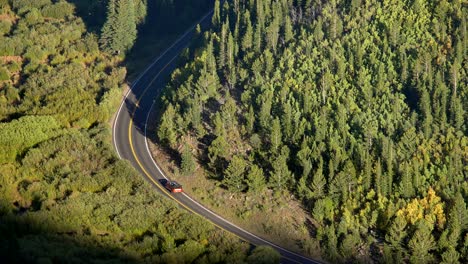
pixel 350 245
pixel 218 125
pixel 207 84
pixel 441 93
pixel 109 31
pixel 250 120
pixel 188 164
pixel 335 25
pixel 258 39
pixel 457 112
pixel 231 53
pixel 425 106
pixel 264 118
pixel 272 35
pixel 450 236
pixel 287 122
pixel 406 182
pixel 421 244
pixel 459 213
pixel 318 30
pixel 454 77
pixel 281 175
pixel 319 182
pixel 127 11
pixel 119 31
pixel 259 13
pixel 228 112
pixel 210 62
pixel 304 192
pixel 387 257
pixel 417 177
pixel 378 181
pixel 216 19
pixel 234 174
pixel 388 155
pixel 367 173
pixel 288 30
pixel 450 256
pixel 256 180
pixel 275 135
pixel 195 111
pixel 222 56
pixel 247 40
pixel 166 131
pixel 397 233
pixel 218 151
pixel 331 244
pixel 141 10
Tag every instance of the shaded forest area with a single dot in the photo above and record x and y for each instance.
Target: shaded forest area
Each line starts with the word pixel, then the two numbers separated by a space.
pixel 358 108
pixel 65 197
pixel 165 22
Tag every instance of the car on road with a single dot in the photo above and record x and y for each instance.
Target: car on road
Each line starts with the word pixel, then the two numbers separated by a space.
pixel 173 187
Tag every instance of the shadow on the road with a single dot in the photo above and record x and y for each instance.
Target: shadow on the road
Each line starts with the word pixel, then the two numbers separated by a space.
pixel 132 108
pixel 164 22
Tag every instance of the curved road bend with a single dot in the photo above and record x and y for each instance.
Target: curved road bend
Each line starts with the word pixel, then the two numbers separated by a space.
pixel 130 141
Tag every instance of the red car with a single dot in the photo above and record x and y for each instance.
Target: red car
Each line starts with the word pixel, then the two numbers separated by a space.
pixel 173 187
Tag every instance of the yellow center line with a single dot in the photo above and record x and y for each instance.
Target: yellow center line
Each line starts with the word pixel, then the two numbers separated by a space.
pixel 158 184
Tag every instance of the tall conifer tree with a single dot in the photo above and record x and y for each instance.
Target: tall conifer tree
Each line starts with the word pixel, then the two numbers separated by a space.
pixel 119 31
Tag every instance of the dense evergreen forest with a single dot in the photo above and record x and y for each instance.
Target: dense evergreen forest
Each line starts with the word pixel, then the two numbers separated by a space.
pixel 65 197
pixel 357 107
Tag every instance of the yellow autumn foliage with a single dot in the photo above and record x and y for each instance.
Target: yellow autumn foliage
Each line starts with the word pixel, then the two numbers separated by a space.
pixel 431 208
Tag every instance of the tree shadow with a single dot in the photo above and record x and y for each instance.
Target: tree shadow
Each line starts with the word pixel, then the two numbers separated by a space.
pixel 29 240
pixel 166 20
pixel 93 13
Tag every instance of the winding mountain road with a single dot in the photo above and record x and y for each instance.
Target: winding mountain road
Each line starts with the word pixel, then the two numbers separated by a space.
pixel 131 142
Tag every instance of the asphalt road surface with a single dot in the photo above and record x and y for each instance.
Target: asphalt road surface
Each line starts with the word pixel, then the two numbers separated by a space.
pixel 130 140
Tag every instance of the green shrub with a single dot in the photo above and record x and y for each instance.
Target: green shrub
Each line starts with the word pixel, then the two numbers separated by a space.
pixel 28 4
pixel 19 135
pixel 7 47
pixel 35 54
pixel 109 102
pixel 5 27
pixel 90 41
pixel 4 3
pixel 11 93
pixel 60 10
pixel 4 75
pixel 57 59
pixel 30 68
pixel 33 17
pixel 13 67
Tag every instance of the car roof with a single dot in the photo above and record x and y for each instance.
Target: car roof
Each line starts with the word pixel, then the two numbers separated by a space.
pixel 174 183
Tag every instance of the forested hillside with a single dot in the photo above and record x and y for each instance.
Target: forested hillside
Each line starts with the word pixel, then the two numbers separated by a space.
pixel 65 197
pixel 357 107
